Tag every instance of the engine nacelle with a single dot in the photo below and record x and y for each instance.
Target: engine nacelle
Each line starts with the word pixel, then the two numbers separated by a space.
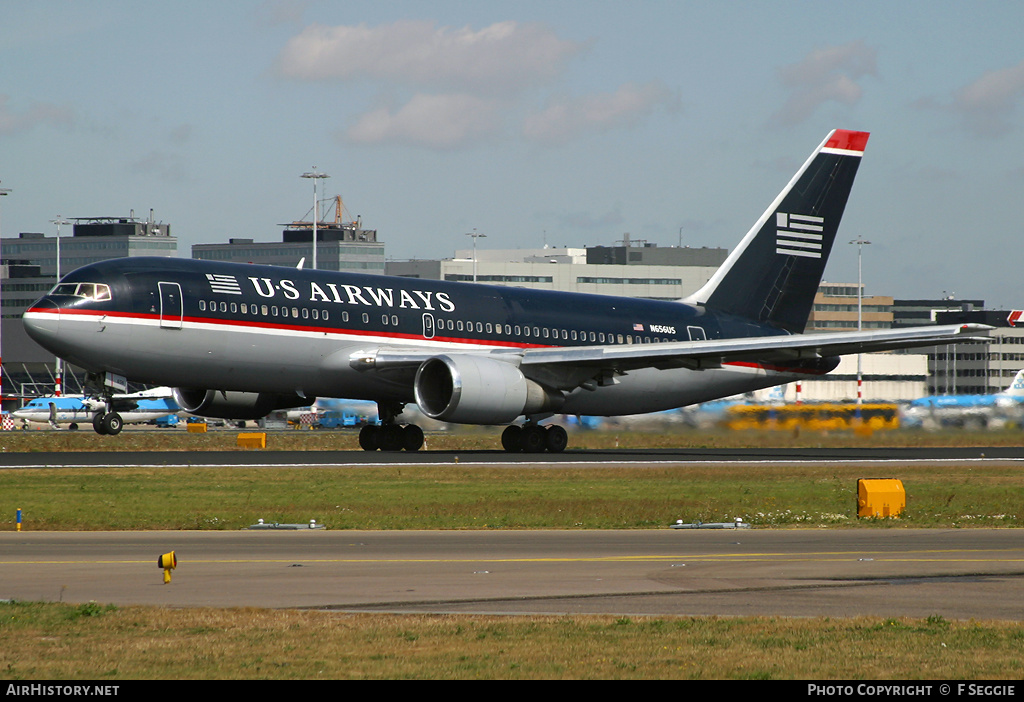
pixel 235 405
pixel 478 390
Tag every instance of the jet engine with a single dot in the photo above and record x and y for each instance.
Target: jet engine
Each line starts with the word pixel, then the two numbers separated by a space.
pixel 235 405
pixel 478 390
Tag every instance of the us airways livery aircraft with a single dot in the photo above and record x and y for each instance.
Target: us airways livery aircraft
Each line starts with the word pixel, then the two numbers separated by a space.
pixel 240 340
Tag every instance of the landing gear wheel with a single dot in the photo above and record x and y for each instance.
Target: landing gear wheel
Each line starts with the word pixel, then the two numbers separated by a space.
pixel 112 423
pixel 97 424
pixel 412 437
pixel 390 437
pixel 512 438
pixel 556 439
pixel 368 438
pixel 534 438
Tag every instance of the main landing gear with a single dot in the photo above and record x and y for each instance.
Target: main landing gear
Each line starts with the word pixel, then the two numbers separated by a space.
pixel 533 438
pixel 108 423
pixel 389 435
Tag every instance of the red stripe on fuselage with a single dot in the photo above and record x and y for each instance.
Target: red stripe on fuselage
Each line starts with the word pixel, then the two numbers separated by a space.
pixel 252 324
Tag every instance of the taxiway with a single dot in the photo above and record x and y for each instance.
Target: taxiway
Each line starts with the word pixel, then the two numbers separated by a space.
pixel 956 574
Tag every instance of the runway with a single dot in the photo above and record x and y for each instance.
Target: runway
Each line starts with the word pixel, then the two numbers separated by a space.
pixel 618 457
pixel 888 572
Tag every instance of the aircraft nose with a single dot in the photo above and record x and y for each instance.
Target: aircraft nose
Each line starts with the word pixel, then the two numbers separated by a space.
pixel 42 321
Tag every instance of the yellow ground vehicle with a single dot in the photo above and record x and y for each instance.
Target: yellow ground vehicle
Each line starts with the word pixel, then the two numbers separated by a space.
pixel 814 416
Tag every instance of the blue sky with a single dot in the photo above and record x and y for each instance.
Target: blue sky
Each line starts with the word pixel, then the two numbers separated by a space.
pixel 559 122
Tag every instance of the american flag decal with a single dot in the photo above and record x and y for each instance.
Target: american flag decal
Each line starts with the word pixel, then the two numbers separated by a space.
pixel 798 235
pixel 226 284
pixel 638 327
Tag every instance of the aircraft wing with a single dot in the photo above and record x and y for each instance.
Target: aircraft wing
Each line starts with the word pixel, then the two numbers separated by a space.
pixel 402 363
pixel 762 349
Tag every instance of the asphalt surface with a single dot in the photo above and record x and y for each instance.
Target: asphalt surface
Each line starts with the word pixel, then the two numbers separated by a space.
pixel 594 457
pixel 957 574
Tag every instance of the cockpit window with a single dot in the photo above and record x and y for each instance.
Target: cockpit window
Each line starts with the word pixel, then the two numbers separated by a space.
pixel 90 291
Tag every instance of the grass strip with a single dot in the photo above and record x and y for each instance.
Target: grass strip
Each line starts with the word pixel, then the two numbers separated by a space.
pixel 486 497
pixel 470 438
pixel 95 642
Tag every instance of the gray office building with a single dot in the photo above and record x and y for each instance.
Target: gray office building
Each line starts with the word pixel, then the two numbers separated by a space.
pixel 340 246
pixel 29 269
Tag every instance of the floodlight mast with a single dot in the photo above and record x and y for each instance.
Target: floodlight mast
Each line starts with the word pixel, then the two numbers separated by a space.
pixel 860 242
pixel 57 386
pixel 316 209
pixel 475 236
pixel 3 192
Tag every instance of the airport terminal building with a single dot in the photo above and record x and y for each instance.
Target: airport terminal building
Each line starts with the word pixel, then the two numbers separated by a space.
pixel 345 247
pixel 29 270
pixel 647 271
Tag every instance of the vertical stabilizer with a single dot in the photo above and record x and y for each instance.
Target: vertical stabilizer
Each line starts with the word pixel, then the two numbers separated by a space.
pixel 1016 389
pixel 774 273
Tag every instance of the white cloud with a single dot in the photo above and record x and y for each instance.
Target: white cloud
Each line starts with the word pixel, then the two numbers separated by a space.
pixel 273 13
pixel 587 221
pixel 565 117
pixel 466 84
pixel 40 113
pixel 434 121
pixel 503 56
pixel 825 75
pixel 988 104
pixel 162 165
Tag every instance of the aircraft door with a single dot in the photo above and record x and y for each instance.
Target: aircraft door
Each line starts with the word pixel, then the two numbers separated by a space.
pixel 696 333
pixel 428 326
pixel 170 305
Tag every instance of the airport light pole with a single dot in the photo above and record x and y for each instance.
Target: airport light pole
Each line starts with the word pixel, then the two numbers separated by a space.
pixel 57 362
pixel 3 192
pixel 475 237
pixel 860 242
pixel 316 209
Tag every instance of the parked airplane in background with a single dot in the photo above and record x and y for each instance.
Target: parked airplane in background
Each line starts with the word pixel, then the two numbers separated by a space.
pixel 969 410
pixel 241 340
pixel 73 410
pixel 1013 395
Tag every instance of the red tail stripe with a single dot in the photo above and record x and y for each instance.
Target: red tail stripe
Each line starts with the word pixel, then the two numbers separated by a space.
pixel 848 141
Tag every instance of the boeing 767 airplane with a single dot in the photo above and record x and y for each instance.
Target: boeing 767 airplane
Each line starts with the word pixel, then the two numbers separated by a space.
pixel 241 340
